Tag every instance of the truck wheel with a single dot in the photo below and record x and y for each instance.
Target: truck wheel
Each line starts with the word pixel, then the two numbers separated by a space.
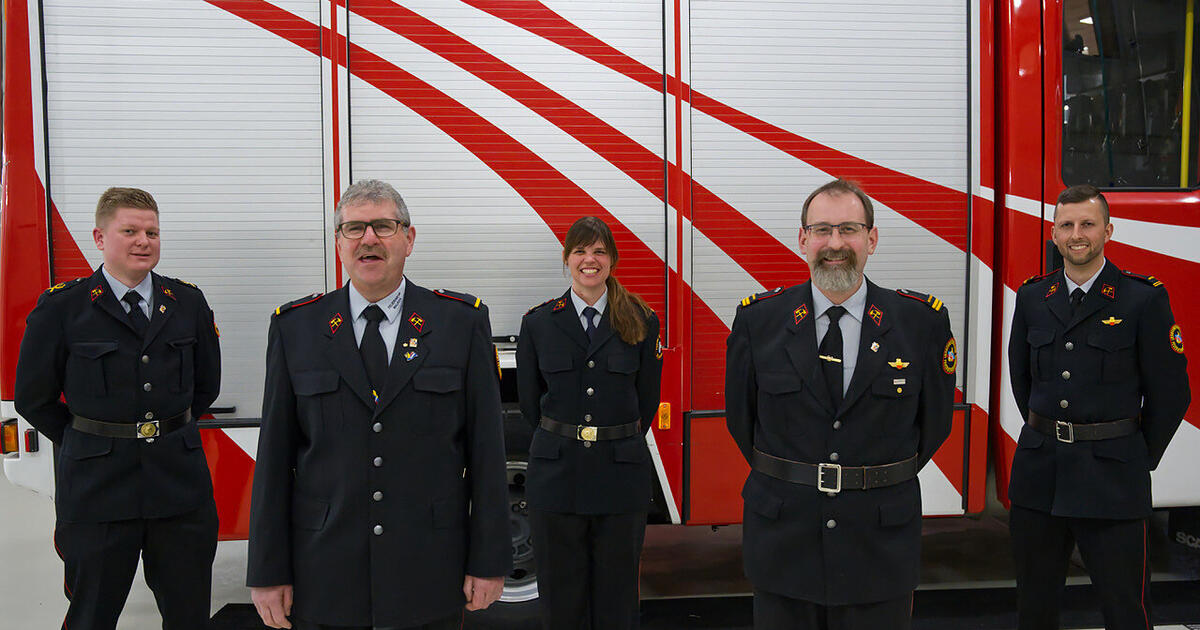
pixel 518 605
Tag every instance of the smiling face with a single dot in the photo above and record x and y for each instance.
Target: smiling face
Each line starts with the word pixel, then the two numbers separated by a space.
pixel 1080 232
pixel 590 266
pixel 375 265
pixel 836 262
pixel 129 240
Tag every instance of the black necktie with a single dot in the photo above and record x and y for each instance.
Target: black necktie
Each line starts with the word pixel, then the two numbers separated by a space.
pixel 589 313
pixel 1076 300
pixel 136 316
pixel 374 352
pixel 830 353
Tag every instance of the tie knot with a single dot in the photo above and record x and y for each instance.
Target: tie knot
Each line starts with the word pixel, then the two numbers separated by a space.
pixel 1077 295
pixel 373 313
pixel 132 298
pixel 590 312
pixel 835 313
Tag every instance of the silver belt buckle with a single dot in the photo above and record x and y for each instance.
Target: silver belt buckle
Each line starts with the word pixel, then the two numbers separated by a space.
pixel 836 470
pixel 1064 432
pixel 148 430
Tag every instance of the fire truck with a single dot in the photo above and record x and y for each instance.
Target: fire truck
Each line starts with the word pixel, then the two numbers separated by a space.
pixel 694 128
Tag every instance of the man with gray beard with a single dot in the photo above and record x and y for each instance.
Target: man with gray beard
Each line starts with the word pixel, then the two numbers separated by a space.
pixel 837 397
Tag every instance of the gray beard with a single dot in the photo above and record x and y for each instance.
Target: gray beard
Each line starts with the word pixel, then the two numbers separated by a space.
pixel 836 280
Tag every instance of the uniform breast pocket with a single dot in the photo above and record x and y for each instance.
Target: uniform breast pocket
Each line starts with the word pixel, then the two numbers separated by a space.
pixel 183 350
pixel 553 365
pixel 623 363
pixel 1041 348
pixel 85 366
pixel 1118 362
pixel 439 394
pixel 316 398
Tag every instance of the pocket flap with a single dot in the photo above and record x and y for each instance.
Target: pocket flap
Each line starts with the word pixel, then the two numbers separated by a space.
pixel 179 343
pixel 633 450
pixel 623 363
pixel 761 500
pixel 308 513
pixel 1111 341
pixel 556 363
pixel 439 380
pixel 898 512
pixel 93 349
pixel 315 382
pixel 1039 336
pixel 82 445
pixel 779 382
pixel 448 513
pixel 545 446
pixel 1030 438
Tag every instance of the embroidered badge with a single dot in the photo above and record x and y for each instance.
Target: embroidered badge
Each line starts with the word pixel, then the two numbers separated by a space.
pixel 658 348
pixel 97 292
pixel 1109 291
pixel 1053 289
pixel 416 321
pixel 874 346
pixel 334 323
pixel 216 330
pixel 1111 321
pixel 950 356
pixel 162 308
pixel 499 374
pixel 1177 339
pixel 800 313
pixel 899 363
pixel 559 305
pixel 167 292
pixel 875 314
pixel 56 287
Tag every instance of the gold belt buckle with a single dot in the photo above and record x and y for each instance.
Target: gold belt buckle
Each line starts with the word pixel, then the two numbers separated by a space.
pixel 147 430
pixel 587 434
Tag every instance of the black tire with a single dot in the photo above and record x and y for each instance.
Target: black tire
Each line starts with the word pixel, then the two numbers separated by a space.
pixel 518 605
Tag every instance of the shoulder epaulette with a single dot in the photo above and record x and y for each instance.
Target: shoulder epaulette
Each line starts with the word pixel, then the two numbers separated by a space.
pixel 747 301
pixel 63 285
pixel 1150 280
pixel 929 300
pixel 1036 278
pixel 183 282
pixel 550 301
pixel 470 300
pixel 308 299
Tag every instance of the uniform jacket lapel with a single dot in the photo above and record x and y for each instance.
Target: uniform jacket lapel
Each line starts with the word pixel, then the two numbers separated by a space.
pixel 874 329
pixel 102 296
pixel 1058 298
pixel 568 320
pixel 418 318
pixel 165 303
pixel 802 347
pixel 603 332
pixel 1095 301
pixel 342 349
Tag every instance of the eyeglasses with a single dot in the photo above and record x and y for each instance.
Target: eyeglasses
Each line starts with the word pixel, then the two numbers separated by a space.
pixel 848 229
pixel 357 229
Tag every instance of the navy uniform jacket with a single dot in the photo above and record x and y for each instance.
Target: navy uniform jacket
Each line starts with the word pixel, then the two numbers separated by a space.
pixel 1121 356
pixel 859 546
pixel 374 512
pixel 557 367
pixel 79 344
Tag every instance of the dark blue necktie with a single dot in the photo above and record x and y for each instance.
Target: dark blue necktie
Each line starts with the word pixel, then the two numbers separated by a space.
pixel 374 351
pixel 589 314
pixel 830 353
pixel 137 317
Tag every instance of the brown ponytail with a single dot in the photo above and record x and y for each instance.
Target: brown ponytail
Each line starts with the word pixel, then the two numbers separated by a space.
pixel 627 311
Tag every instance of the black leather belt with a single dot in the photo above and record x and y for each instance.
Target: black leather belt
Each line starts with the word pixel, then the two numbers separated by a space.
pixel 1068 432
pixel 588 433
pixel 835 477
pixel 147 430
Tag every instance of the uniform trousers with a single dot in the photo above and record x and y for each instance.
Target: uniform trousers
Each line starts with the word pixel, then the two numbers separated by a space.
pixel 588 569
pixel 1113 550
pixel 100 560
pixel 779 612
pixel 453 622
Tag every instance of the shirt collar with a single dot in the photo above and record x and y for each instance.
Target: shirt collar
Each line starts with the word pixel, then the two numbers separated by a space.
pixel 580 304
pixel 1087 284
pixel 119 289
pixel 854 304
pixel 392 304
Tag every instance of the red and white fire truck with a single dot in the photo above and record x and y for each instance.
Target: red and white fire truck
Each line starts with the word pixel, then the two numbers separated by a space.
pixel 694 127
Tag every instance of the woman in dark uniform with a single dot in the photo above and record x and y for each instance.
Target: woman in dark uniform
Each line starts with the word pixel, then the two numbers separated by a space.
pixel 589 366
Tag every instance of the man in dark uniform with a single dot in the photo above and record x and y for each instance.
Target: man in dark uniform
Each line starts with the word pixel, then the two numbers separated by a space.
pixel 135 357
pixel 837 397
pixel 1099 374
pixel 380 498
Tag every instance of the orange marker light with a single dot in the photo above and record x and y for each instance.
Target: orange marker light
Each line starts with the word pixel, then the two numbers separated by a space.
pixel 10 443
pixel 664 416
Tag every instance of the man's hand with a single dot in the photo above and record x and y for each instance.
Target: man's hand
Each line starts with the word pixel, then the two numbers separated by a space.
pixel 481 592
pixel 274 604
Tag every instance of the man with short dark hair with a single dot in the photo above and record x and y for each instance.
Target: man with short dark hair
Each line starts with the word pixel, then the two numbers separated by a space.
pixel 135 359
pixel 380 497
pixel 1099 374
pixel 837 393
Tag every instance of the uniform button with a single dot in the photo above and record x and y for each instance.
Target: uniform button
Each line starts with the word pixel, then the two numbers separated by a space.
pixel 377 495
pixel 1064 404
pixel 837 424
pixel 1069 346
pixel 146 387
pixel 145 358
pixel 1066 374
pixel 591 363
pixel 590 391
pixel 149 415
pixel 830 524
pixel 833 457
pixel 587 445
pixel 378 461
pixel 378 530
pixel 377 427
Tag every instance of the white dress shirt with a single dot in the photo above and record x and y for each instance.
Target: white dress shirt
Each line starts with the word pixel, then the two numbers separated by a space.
pixel 599 306
pixel 850 324
pixel 392 305
pixel 145 289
